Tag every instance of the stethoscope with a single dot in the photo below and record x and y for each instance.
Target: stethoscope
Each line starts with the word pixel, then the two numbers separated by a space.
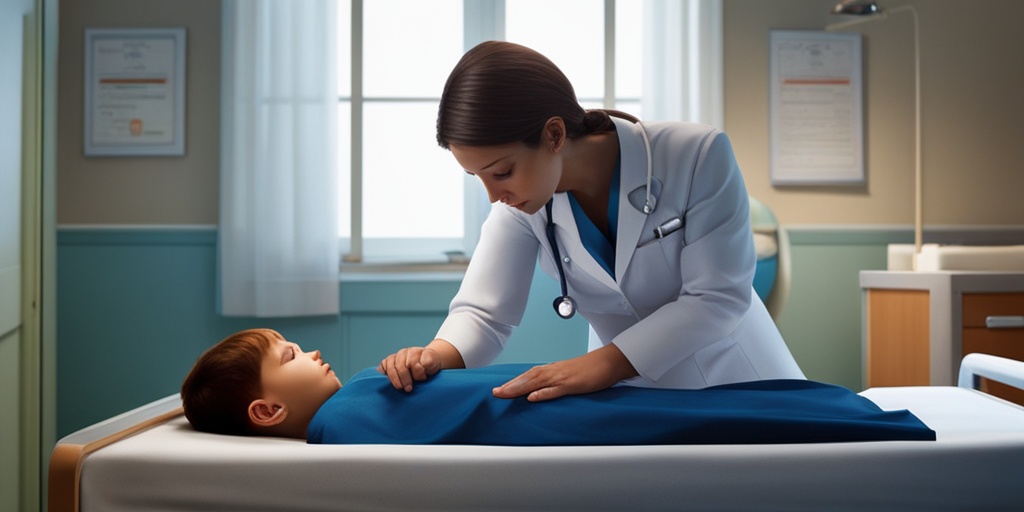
pixel 564 305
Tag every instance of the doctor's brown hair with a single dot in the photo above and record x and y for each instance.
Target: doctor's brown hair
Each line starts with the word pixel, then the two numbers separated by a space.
pixel 502 92
pixel 224 380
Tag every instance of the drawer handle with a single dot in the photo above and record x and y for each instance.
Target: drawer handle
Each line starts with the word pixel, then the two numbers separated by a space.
pixel 1004 322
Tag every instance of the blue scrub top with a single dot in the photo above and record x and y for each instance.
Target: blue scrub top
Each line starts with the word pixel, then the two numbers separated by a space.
pixel 601 247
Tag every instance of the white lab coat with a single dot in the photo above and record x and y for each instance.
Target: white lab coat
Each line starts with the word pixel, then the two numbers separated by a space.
pixel 682 309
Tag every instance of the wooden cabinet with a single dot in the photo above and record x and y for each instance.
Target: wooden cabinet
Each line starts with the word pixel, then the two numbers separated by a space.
pixel 917 326
pixel 978 336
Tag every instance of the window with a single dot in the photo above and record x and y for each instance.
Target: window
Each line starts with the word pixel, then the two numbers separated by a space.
pixel 403 198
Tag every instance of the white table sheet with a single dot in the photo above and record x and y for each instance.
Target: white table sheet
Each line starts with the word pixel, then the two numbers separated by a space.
pixel 977 463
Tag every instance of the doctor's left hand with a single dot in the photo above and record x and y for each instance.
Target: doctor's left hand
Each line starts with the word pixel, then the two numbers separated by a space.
pixel 591 372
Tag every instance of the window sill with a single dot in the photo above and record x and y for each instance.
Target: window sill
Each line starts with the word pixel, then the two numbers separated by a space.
pixel 403 271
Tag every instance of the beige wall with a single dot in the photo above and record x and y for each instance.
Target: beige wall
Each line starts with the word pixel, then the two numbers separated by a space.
pixel 972 71
pixel 132 190
pixel 972 75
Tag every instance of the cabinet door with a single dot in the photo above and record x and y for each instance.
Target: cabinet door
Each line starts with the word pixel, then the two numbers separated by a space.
pixel 977 337
pixel 897 338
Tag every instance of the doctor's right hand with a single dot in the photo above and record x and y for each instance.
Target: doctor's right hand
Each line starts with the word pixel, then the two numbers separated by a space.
pixel 417 364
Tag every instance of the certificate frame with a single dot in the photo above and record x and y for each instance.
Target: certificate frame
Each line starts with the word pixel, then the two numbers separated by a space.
pixel 816 102
pixel 134 92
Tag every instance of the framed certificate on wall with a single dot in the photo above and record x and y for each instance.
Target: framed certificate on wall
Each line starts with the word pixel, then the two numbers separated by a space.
pixel 816 108
pixel 134 92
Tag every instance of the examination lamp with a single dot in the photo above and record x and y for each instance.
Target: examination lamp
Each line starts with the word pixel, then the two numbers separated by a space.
pixel 867 12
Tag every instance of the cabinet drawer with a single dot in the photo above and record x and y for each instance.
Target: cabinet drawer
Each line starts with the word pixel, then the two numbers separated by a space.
pixel 979 306
pixel 998 342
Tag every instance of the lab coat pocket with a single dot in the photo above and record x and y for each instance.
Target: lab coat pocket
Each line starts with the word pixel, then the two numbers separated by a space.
pixel 654 278
pixel 653 251
pixel 671 228
pixel 670 245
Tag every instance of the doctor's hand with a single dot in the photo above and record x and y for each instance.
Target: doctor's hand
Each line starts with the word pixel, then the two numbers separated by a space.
pixel 597 370
pixel 417 364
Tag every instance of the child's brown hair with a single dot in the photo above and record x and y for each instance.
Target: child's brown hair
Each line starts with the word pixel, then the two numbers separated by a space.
pixel 224 380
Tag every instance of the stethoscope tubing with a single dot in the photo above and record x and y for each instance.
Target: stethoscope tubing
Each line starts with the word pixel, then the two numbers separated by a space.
pixel 564 305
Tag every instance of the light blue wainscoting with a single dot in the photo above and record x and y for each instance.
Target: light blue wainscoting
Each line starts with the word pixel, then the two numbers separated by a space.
pixel 136 307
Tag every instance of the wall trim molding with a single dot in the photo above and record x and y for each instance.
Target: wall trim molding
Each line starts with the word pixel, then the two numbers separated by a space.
pixel 867 234
pixel 68 235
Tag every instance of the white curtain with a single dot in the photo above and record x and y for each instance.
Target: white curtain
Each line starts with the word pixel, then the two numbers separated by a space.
pixel 683 61
pixel 278 236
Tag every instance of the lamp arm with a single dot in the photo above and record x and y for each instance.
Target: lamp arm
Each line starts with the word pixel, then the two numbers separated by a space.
pixel 831 27
pixel 880 15
pixel 918 194
pixel 918 199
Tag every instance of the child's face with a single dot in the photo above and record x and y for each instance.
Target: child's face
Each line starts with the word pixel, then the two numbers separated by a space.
pixel 301 380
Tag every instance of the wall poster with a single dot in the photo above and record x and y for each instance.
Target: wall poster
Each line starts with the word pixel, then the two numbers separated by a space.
pixel 816 108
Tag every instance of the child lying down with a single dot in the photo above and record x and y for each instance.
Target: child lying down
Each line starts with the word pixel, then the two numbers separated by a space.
pixel 257 383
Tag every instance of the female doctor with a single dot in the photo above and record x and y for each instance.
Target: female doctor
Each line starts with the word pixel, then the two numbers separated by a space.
pixel 645 226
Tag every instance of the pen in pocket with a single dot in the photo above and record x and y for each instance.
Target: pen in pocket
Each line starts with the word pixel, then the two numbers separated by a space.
pixel 668 227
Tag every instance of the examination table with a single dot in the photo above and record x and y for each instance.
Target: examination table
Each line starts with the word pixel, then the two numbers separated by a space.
pixel 150 459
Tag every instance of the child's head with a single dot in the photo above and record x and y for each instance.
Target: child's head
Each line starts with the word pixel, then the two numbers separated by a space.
pixel 255 382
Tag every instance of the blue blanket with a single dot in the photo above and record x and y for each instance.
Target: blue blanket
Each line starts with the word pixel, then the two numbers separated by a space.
pixel 456 407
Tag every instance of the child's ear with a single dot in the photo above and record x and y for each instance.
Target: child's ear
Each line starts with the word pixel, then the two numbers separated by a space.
pixel 265 414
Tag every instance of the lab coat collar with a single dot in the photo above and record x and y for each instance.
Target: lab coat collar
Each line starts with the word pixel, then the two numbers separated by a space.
pixel 634 176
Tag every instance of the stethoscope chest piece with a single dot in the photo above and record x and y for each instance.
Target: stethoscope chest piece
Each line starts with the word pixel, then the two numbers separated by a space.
pixel 565 306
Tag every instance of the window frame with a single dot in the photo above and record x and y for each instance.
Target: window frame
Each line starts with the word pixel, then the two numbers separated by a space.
pixel 482 21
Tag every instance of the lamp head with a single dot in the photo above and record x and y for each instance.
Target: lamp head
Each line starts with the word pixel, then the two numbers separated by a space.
pixel 856 7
